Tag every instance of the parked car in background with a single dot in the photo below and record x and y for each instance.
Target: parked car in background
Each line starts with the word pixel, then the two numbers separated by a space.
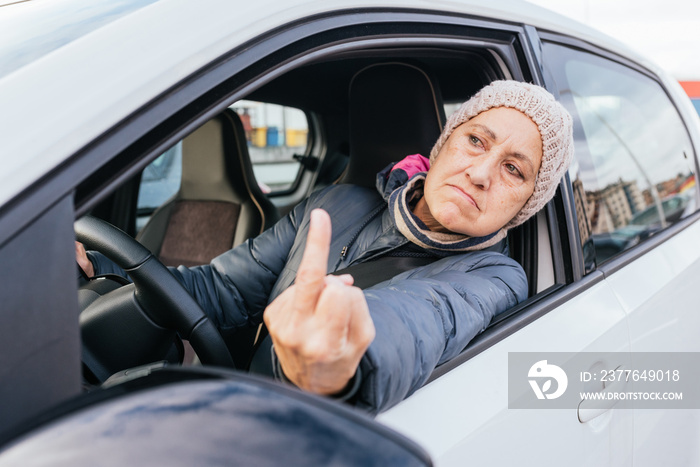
pixel 135 112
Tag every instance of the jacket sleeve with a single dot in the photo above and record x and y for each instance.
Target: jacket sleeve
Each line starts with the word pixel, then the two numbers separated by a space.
pixel 233 290
pixel 427 316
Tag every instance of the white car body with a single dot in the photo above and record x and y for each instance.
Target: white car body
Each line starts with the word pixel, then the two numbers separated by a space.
pixel 62 101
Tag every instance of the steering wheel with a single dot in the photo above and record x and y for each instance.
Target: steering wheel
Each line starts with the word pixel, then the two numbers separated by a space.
pixel 136 324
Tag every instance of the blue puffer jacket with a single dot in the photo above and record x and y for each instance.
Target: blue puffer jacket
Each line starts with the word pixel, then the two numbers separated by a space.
pixel 422 317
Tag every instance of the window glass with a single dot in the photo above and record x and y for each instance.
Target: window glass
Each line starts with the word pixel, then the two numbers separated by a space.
pixel 160 180
pixel 633 172
pixel 275 134
pixel 452 107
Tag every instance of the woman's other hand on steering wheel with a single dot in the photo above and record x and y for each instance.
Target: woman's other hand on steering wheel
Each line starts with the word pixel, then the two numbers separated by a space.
pixel 83 260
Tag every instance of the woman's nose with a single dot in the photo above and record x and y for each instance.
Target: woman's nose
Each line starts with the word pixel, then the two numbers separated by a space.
pixel 481 171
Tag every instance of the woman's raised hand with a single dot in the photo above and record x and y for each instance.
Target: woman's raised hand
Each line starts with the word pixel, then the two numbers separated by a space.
pixel 320 326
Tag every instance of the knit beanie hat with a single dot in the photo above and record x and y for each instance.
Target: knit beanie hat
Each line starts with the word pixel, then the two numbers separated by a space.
pixel 552 120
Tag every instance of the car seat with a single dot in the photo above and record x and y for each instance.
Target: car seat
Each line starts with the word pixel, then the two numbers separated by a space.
pixel 396 110
pixel 219 204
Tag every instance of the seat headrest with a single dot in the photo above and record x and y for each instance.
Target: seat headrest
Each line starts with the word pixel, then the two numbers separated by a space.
pixel 205 175
pixel 216 164
pixel 395 110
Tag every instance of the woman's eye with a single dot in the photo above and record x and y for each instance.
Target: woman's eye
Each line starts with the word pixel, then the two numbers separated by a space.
pixel 474 140
pixel 513 170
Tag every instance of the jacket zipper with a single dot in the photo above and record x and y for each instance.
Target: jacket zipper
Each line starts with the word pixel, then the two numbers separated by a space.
pixel 373 214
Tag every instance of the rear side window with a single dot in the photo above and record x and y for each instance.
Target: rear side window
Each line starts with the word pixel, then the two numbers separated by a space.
pixel 275 135
pixel 633 173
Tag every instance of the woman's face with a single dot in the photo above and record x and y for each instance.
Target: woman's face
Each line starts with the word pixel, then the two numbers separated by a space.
pixel 483 175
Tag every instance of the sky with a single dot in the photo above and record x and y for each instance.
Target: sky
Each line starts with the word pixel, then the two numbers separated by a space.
pixel 665 31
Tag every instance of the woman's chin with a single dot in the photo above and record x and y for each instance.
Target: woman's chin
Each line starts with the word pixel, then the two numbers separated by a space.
pixel 452 225
pixel 465 228
pixel 453 220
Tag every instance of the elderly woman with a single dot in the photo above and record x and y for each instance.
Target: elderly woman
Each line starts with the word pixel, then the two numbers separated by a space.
pixel 497 162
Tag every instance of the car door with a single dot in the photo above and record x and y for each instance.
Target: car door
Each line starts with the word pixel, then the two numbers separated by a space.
pixel 645 199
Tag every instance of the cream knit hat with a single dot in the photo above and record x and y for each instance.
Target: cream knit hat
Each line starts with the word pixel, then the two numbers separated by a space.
pixel 552 119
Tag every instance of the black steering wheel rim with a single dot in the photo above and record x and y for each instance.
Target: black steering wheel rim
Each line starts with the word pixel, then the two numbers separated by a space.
pixel 159 294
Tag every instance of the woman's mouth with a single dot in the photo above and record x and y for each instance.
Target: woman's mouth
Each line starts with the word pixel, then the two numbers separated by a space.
pixel 466 196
